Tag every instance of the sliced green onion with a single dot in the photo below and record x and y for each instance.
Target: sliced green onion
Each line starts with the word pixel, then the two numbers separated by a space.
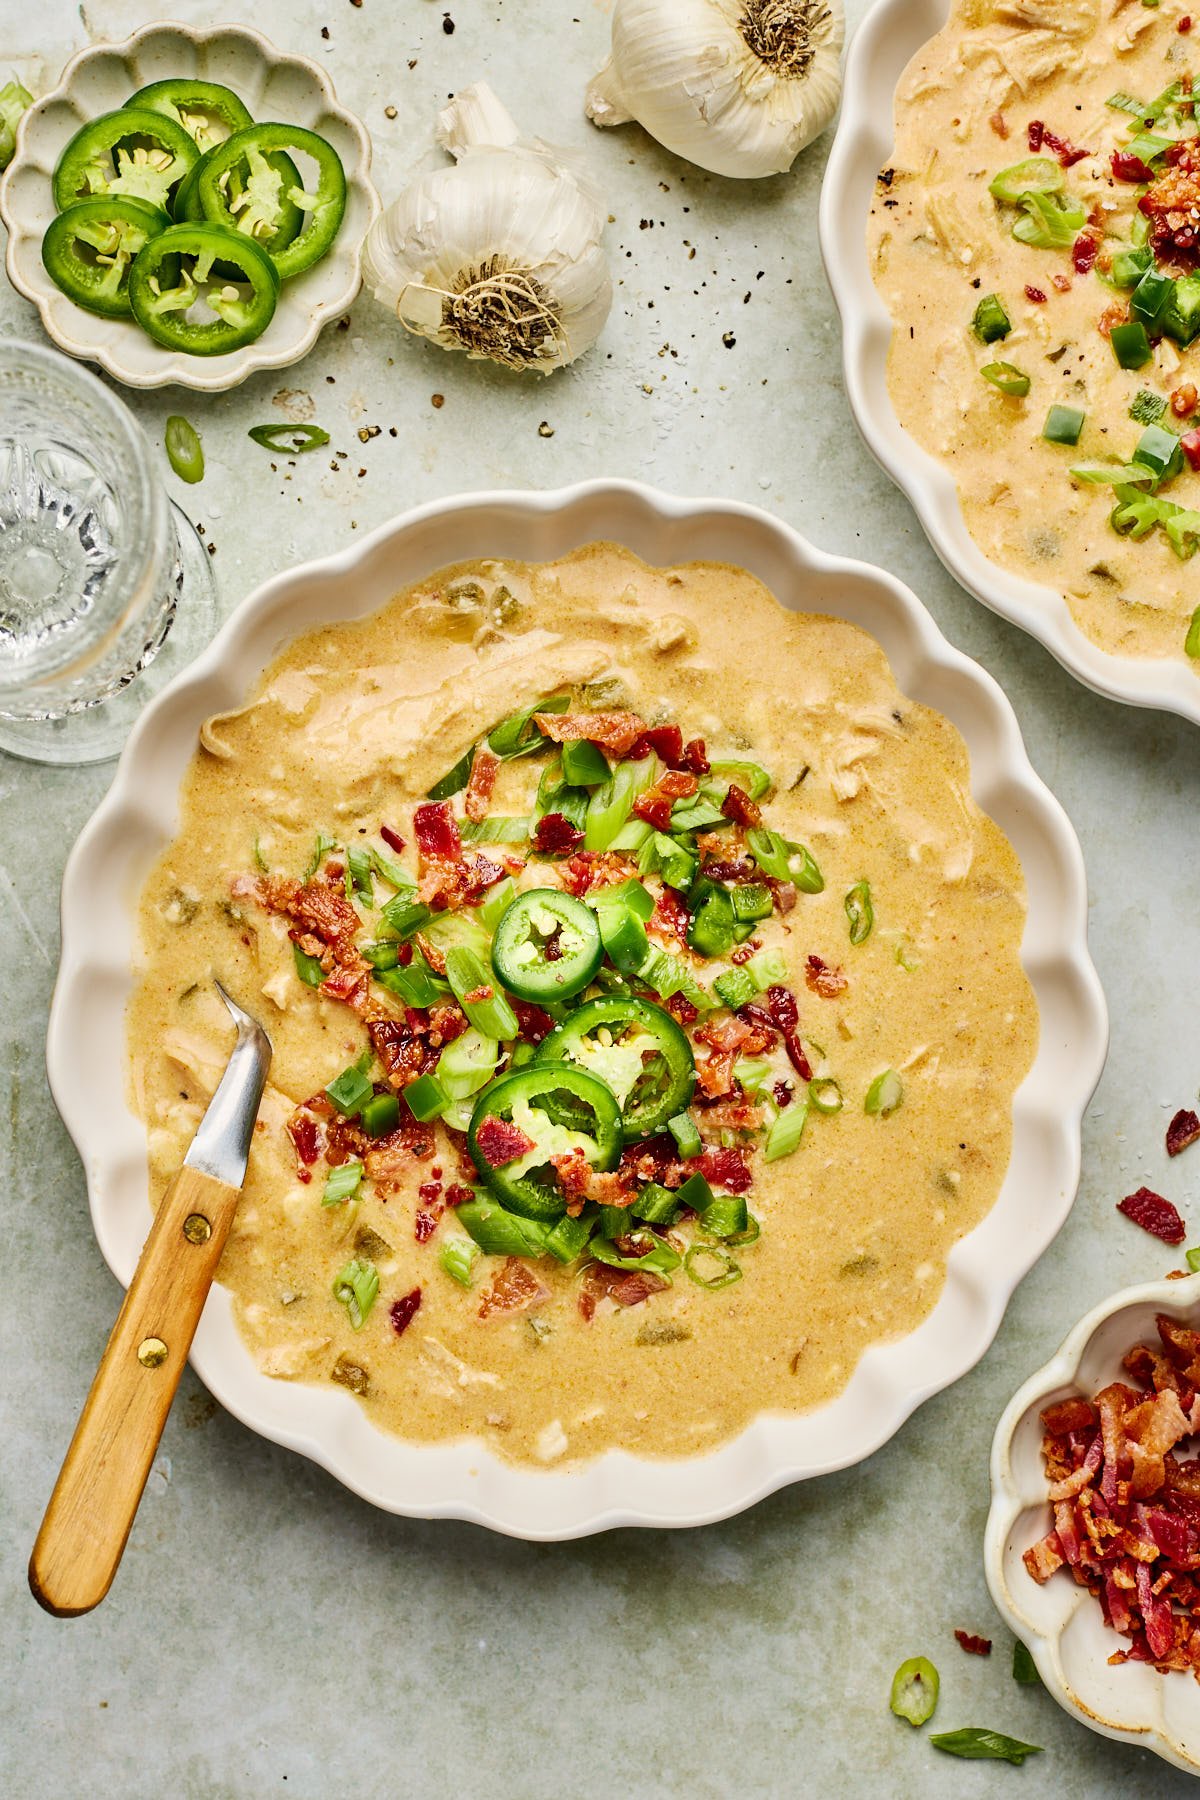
pixel 666 975
pixel 391 872
pixel 726 1217
pixel 381 953
pixel 915 1690
pixel 1049 221
pixel 467 1064
pixel 979 1744
pixel 323 844
pixel 1008 378
pixel 358 875
pixel 736 988
pixel 696 815
pixel 404 915
pixel 351 1090
pixel 991 322
pixel 184 450
pixel 518 735
pixel 786 1131
pixel 751 777
pixel 630 894
pixel 771 852
pixel 610 805
pixel 426 1098
pixel 753 1072
pixel 1024 1669
pixel 659 1255
pixel 455 779
pixel 555 796
pixel 825 1095
pixel 496 902
pixel 675 861
pixel 768 969
pixel 500 1233
pixel 633 837
pixel 414 984
pixel 380 1115
pixel 1128 103
pixel 687 1137
pixel 490 1013
pixel 494 831
pixel 456 1256
pixel 583 763
pixel 289 440
pixel 342 1183
pixel 804 871
pixel 1036 175
pixel 716 1256
pixel 1130 344
pixel 860 912
pixel 357 1288
pixel 308 968
pixel 1191 642
pixel 1146 409
pixel 568 1239
pixel 884 1094
pixel 656 1205
pixel 1063 425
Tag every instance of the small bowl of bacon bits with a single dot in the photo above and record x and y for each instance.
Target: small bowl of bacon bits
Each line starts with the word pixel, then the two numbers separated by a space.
pixel 1093 1540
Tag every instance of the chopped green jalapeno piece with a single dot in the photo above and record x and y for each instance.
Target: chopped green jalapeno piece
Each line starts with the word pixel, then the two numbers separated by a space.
pixel 558 1111
pixel 915 1690
pixel 308 968
pixel 1159 450
pixel 884 1094
pixel 290 440
pixel 161 310
pixel 650 1251
pixel 89 249
pixel 1130 344
pixel 1008 378
pixel 380 1115
pixel 185 453
pixel 568 1240
pixel 226 189
pixel 711 930
pixel 1181 315
pixel 352 1088
pixel 656 1205
pixel 711 1267
pixel 991 322
pixel 501 1233
pixel 584 764
pixel 1063 425
pixel 1147 408
pixel 637 1050
pixel 726 1217
pixel 426 1098
pixel 207 111
pixel 1036 175
pixel 1149 298
pixel 737 988
pixel 751 901
pixel 860 912
pixel 768 969
pixel 357 1288
pixel 134 153
pixel 547 946
pixel 413 984
pixel 404 915
pixel 696 1193
pixel 1128 267
pixel 687 1137
pixel 624 938
pixel 979 1744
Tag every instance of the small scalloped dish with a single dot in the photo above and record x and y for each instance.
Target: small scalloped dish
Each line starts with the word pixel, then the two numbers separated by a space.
pixel 464 1478
pixel 274 86
pixel 1060 1622
pixel 885 43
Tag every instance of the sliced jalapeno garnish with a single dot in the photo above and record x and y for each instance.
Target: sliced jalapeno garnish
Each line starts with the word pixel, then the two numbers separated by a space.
pixel 134 153
pixel 637 1050
pixel 547 946
pixel 208 112
pixel 521 1121
pixel 233 183
pixel 259 188
pixel 162 290
pixel 89 249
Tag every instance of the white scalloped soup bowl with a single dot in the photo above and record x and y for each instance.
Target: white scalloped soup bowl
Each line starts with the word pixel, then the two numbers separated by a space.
pixel 1061 1622
pixel 85 1051
pixel 889 37
pixel 274 86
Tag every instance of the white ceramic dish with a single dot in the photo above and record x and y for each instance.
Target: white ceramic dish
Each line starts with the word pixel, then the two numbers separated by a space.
pixel 273 86
pixel 889 37
pixel 85 1051
pixel 1061 1623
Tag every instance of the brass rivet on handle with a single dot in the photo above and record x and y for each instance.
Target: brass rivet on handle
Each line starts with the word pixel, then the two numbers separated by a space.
pixel 152 1353
pixel 196 1229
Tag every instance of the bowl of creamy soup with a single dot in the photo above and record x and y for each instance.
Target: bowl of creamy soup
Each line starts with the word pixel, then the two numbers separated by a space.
pixel 679 991
pixel 1011 223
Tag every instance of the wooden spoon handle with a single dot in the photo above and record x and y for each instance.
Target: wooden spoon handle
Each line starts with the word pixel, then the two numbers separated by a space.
pixel 100 1484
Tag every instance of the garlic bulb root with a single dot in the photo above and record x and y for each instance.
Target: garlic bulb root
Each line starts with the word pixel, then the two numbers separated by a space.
pixel 499 256
pixel 739 87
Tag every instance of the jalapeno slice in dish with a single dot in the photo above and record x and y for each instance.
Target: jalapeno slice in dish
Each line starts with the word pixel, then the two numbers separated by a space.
pixel 89 249
pixel 522 1121
pixel 265 214
pixel 134 153
pixel 208 112
pixel 547 946
pixel 163 290
pixel 637 1050
pixel 232 184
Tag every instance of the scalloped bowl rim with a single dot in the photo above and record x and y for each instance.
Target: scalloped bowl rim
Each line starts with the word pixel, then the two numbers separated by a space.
pixel 204 375
pixel 1009 1504
pixel 463 1479
pixel 882 48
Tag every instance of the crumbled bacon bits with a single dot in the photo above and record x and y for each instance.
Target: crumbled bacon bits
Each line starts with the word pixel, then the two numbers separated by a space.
pixel 500 1142
pixel 554 835
pixel 1183 1130
pixel 1127 1506
pixel 974 1646
pixel 403 1311
pixel 1154 1214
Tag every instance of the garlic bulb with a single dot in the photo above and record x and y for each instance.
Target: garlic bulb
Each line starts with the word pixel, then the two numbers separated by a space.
pixel 499 256
pixel 737 86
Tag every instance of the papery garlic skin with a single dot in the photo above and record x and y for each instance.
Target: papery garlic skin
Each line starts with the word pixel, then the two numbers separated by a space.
pixel 501 255
pixel 739 87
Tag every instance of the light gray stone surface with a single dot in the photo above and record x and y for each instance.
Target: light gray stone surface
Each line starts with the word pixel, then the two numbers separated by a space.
pixel 270 1634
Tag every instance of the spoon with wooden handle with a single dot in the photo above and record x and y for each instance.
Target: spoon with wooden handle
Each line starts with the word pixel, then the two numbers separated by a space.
pixel 100 1484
